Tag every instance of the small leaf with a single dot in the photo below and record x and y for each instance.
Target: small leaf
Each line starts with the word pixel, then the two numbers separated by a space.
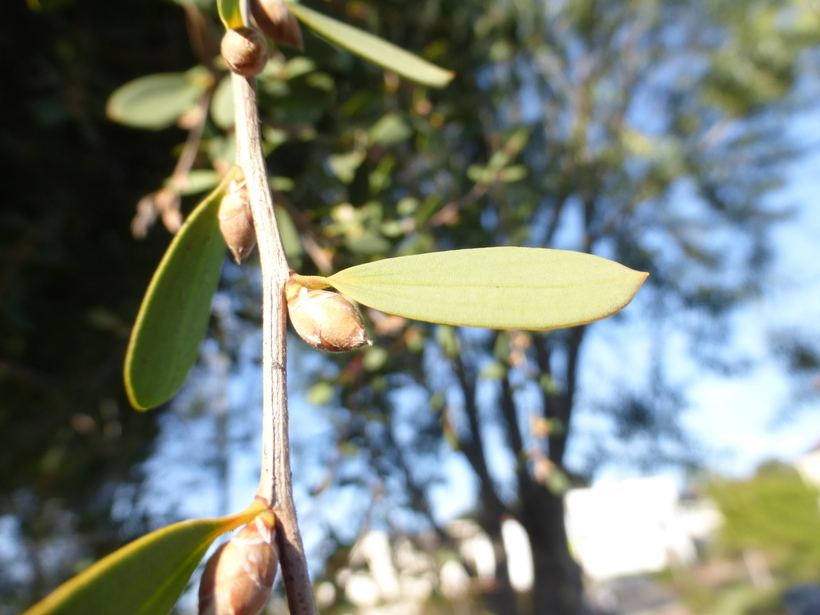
pixel 290 236
pixel 374 359
pixel 298 66
pixel 195 182
pixel 373 48
pixel 390 129
pixel 156 101
pixel 230 13
pixel 368 243
pixel 496 288
pixel 145 577
pixel 174 314
pixel 320 394
pixel 344 165
pixel 479 174
pixel 222 105
pixel 513 173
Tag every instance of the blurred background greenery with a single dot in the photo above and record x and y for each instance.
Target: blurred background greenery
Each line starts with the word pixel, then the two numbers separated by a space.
pixel 652 132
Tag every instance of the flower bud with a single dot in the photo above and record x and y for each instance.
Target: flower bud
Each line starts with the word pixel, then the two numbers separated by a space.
pixel 245 51
pixel 239 576
pixel 277 22
pixel 236 220
pixel 325 319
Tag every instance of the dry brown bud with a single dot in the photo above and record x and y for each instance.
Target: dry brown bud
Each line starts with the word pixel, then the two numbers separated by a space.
pixel 325 319
pixel 239 576
pixel 277 22
pixel 236 220
pixel 245 51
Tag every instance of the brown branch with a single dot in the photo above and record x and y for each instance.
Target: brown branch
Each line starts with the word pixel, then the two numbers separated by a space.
pixel 474 447
pixel 275 483
pixel 514 437
pixel 558 441
pixel 166 200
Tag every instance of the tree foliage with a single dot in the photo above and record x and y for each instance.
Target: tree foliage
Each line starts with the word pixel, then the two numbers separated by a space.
pixel 71 281
pixel 775 512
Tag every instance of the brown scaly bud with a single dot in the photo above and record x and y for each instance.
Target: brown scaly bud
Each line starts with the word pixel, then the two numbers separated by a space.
pixel 325 319
pixel 236 219
pixel 245 51
pixel 239 576
pixel 277 22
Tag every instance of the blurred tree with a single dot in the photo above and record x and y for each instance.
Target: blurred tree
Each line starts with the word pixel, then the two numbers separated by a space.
pixel 774 512
pixel 647 131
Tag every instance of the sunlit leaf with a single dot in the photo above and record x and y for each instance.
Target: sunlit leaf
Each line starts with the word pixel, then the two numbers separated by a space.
pixel 375 358
pixel 230 14
pixel 390 129
pixel 145 577
pixel 174 314
pixel 373 48
pixel 513 173
pixel 290 236
pixel 320 393
pixel 344 165
pixel 157 101
pixel 222 105
pixel 196 181
pixel 497 288
pixel 368 243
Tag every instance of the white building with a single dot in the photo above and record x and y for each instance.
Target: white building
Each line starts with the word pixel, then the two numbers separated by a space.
pixel 634 526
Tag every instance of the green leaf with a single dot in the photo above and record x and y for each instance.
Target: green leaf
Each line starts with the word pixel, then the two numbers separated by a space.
pixel 174 314
pixel 389 130
pixel 320 394
pixel 157 101
pixel 344 165
pixel 290 236
pixel 195 182
pixel 375 358
pixel 230 14
pixel 496 288
pixel 368 243
pixel 222 105
pixel 145 577
pixel 513 173
pixel 373 48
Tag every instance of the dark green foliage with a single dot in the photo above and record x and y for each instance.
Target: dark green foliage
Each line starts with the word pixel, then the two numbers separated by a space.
pixel 71 274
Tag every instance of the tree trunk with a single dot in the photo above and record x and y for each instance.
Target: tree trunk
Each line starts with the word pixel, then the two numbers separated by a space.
pixel 502 599
pixel 557 589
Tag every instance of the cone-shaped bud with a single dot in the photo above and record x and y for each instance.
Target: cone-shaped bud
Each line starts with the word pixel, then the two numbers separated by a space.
pixel 325 319
pixel 277 22
pixel 239 576
pixel 245 51
pixel 236 220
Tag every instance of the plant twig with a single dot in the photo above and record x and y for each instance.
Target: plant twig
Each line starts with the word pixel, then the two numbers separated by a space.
pixel 275 481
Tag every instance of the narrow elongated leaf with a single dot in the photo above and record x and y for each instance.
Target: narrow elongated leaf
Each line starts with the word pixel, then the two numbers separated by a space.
pixel 230 13
pixel 157 101
pixel 145 577
pixel 496 288
pixel 174 314
pixel 373 48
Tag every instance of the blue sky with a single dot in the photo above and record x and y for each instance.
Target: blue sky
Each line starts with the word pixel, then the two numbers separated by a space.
pixel 737 415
